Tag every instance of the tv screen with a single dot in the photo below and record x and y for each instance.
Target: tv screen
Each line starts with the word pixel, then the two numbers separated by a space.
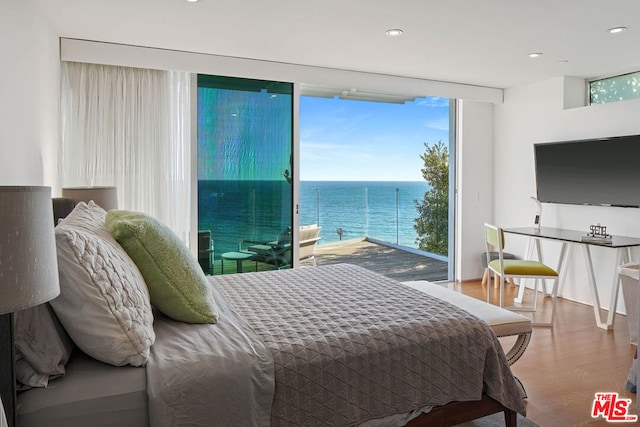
pixel 604 172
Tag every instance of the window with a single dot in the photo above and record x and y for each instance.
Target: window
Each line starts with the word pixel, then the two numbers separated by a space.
pixel 616 88
pixel 245 192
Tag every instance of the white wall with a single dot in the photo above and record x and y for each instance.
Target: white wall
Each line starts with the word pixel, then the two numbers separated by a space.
pixel 162 59
pixel 537 113
pixel 474 183
pixel 29 96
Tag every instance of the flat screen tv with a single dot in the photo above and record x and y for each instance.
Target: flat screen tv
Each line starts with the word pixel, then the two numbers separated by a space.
pixel 602 172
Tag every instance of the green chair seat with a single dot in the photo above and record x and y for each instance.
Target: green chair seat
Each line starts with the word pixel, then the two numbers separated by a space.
pixel 523 268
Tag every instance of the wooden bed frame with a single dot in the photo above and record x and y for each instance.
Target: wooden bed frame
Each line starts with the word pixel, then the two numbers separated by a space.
pixel 461 412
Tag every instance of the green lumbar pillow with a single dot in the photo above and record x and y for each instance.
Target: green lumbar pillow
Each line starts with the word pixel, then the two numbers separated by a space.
pixel 177 285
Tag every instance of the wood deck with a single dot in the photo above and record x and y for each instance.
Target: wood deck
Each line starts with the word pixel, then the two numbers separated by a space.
pixel 394 263
pixel 388 261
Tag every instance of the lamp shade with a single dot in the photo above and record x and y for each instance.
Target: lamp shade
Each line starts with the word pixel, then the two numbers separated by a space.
pixel 28 259
pixel 105 197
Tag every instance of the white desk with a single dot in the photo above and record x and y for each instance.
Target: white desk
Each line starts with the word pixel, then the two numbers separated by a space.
pixel 621 244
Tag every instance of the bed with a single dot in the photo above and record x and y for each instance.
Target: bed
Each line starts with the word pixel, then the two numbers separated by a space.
pixel 316 346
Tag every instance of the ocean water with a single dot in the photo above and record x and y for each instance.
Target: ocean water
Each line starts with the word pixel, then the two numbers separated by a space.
pixel 380 209
pixel 235 211
pixel 239 210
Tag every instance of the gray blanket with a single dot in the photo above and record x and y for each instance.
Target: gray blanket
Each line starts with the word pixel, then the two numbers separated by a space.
pixel 209 375
pixel 351 345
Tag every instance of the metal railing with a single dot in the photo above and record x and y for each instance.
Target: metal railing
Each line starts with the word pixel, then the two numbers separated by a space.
pixel 386 214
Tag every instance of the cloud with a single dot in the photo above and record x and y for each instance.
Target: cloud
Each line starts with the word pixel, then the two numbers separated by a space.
pixel 438 124
pixel 319 146
pixel 433 101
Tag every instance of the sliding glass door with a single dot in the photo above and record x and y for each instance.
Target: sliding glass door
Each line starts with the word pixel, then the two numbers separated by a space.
pixel 245 174
pixel 380 169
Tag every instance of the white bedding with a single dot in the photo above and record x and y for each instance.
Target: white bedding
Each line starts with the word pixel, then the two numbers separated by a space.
pixel 92 394
pixel 205 375
pixel 197 375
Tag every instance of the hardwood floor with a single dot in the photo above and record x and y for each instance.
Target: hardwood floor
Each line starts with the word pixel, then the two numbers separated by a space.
pixel 566 365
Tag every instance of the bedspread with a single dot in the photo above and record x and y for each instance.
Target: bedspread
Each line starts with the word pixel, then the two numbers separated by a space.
pixel 351 345
pixel 209 375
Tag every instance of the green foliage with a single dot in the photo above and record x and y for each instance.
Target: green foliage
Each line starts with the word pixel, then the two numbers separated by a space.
pixel 432 224
pixel 617 88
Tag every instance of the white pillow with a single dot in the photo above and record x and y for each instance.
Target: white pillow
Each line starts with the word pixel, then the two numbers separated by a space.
pixel 104 302
pixel 42 347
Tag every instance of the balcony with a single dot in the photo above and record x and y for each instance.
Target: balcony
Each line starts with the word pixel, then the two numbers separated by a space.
pixel 402 264
pixel 371 224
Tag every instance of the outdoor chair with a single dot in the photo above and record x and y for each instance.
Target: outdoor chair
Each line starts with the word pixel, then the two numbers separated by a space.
pixel 309 237
pixel 276 253
pixel 205 251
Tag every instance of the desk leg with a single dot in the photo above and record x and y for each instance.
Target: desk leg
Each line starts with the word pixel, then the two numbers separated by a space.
pixel 521 288
pixel 540 259
pixel 529 254
pixel 594 290
pixel 623 256
pixel 534 244
pixel 565 252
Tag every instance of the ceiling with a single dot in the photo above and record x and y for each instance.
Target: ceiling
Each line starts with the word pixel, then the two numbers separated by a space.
pixel 477 42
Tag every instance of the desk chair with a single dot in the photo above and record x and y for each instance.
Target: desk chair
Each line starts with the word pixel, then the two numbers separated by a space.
pixel 492 256
pixel 513 268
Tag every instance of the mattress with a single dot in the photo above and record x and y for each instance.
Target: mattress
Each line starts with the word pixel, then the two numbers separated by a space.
pixel 92 393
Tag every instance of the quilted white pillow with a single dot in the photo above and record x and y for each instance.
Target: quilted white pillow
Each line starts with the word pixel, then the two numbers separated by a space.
pixel 104 302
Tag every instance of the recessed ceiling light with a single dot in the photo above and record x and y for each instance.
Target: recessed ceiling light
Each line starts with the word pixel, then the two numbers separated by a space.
pixel 616 30
pixel 535 54
pixel 394 32
pixel 193 1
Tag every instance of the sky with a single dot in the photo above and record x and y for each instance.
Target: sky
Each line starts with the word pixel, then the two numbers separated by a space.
pixel 347 140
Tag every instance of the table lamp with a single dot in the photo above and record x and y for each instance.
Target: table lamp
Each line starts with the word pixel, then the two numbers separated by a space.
pixel 28 271
pixel 105 197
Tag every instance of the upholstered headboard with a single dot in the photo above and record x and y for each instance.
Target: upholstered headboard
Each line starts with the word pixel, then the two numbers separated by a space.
pixel 61 208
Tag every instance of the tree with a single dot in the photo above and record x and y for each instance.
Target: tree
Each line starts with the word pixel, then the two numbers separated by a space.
pixel 432 224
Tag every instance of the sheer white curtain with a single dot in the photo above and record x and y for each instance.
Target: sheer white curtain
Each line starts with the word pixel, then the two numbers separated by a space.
pixel 129 127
